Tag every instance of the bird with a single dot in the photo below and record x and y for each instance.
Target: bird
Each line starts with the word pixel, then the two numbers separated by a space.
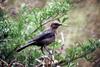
pixel 43 39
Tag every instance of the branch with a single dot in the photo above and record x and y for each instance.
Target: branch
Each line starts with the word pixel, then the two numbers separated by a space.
pixel 4 62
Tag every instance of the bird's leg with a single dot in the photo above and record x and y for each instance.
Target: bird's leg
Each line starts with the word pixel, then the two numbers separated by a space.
pixel 50 54
pixel 44 47
pixel 42 50
pixel 47 50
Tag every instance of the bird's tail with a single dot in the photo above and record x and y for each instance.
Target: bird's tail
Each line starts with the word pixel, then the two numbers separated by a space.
pixel 23 47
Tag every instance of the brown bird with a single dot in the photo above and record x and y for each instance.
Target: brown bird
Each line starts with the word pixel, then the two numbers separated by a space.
pixel 43 39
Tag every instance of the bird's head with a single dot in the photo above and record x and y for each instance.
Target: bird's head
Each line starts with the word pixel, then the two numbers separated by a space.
pixel 55 25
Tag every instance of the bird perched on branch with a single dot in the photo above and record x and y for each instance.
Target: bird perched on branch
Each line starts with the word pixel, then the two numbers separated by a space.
pixel 43 39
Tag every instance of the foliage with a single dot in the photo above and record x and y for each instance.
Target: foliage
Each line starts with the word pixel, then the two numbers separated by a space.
pixel 81 50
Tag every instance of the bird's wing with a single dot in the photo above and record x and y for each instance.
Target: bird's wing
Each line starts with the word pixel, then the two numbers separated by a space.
pixel 44 35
